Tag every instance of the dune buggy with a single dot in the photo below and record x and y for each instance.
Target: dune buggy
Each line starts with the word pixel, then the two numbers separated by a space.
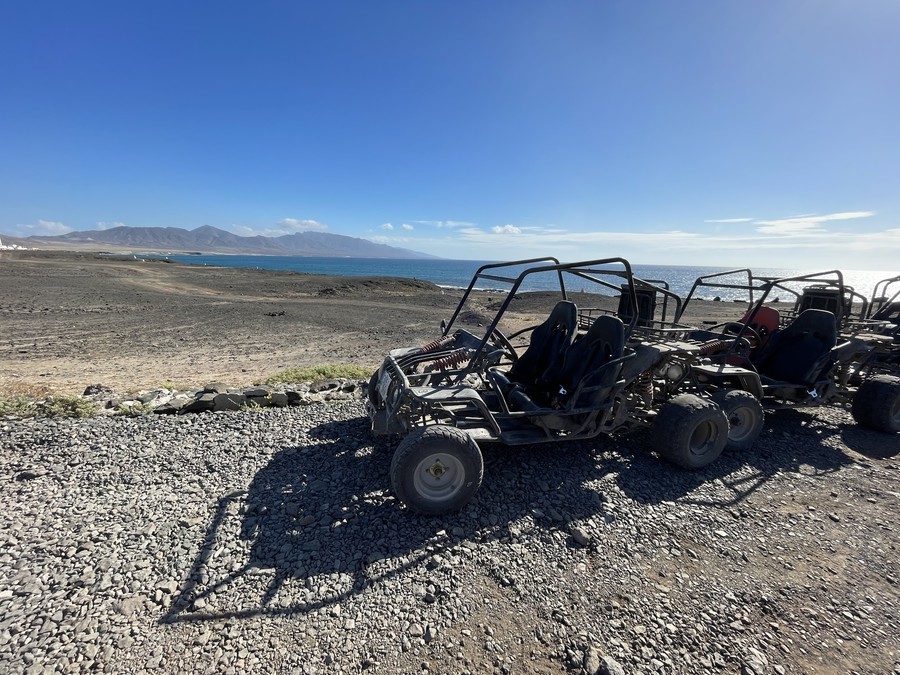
pixel 825 347
pixel 496 374
pixel 883 318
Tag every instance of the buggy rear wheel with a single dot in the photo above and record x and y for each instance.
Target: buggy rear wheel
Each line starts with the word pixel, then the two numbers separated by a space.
pixel 690 431
pixel 745 417
pixel 436 469
pixel 876 404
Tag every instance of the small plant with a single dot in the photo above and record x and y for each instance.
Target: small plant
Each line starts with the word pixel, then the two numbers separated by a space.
pixel 65 406
pixel 323 372
pixel 17 405
pixel 134 409
pixel 19 400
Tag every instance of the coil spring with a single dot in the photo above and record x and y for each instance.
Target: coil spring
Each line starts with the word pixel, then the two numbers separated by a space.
pixel 452 359
pixel 714 346
pixel 645 386
pixel 440 343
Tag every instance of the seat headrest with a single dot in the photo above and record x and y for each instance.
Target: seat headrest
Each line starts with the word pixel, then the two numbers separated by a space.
pixel 564 316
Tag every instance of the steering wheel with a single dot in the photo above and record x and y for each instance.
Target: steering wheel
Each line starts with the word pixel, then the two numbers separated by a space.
pixel 735 327
pixel 498 339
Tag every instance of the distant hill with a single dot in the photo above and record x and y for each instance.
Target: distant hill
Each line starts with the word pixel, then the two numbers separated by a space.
pixel 208 239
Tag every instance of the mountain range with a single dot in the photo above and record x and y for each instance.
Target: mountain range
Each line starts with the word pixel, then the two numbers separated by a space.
pixel 209 239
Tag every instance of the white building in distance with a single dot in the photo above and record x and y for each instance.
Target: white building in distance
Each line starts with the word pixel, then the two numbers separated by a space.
pixel 12 247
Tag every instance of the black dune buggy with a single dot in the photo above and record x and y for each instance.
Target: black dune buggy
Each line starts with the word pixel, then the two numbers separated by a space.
pixel 516 380
pixel 883 318
pixel 825 347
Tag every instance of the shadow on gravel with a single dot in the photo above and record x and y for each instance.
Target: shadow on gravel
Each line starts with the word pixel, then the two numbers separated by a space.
pixel 871 444
pixel 318 523
pixel 790 443
pixel 322 524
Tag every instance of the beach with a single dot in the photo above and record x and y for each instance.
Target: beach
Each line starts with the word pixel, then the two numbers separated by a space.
pixel 72 319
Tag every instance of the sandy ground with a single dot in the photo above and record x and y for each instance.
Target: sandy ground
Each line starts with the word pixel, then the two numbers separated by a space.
pixel 72 319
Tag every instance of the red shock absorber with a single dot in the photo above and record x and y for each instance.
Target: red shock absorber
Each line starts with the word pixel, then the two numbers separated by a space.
pixel 440 343
pixel 714 347
pixel 452 359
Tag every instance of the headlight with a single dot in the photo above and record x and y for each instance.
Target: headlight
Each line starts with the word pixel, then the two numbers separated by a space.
pixel 675 372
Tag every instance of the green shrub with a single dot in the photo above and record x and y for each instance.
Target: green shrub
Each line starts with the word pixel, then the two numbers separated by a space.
pixel 319 373
pixel 16 405
pixel 24 401
pixel 65 406
pixel 136 409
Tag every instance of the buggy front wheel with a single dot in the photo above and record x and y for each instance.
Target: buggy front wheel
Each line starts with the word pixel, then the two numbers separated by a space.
pixel 436 469
pixel 690 431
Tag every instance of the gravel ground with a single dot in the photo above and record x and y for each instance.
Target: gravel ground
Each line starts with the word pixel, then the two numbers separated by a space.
pixel 268 541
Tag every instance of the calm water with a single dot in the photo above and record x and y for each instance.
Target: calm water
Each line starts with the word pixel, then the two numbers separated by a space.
pixel 458 273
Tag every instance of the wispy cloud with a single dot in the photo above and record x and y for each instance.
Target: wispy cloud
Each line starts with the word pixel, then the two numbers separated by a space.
pixel 806 224
pixel 829 239
pixel 407 226
pixel 104 225
pixel 391 241
pixel 506 229
pixel 291 225
pixel 526 229
pixel 281 228
pixel 386 226
pixel 445 223
pixel 574 241
pixel 729 220
pixel 42 228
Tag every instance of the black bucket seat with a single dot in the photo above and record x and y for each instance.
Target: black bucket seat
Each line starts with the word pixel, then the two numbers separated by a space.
pixel 588 372
pixel 546 350
pixel 800 353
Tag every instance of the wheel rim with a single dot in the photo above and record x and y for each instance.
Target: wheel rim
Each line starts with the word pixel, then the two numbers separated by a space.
pixel 704 438
pixel 740 423
pixel 439 477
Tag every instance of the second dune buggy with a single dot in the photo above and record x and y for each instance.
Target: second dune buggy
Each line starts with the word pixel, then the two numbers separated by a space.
pixel 827 346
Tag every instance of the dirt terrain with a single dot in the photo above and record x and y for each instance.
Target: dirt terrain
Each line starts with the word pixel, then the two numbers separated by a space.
pixel 68 320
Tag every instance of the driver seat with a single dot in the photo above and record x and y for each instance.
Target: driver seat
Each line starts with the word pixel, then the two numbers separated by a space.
pixel 801 352
pixel 590 370
pixel 544 355
pixel 765 322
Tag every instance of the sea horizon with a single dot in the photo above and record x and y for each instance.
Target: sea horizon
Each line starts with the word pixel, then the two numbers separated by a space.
pixel 455 274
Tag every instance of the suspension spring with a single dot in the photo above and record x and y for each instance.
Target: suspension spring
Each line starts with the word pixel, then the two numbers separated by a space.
pixel 454 358
pixel 645 386
pixel 714 346
pixel 440 343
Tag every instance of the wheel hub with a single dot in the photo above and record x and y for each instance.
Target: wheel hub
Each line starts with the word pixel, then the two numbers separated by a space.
pixel 439 476
pixel 437 469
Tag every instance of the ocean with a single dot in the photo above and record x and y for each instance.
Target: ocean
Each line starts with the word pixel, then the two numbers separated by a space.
pixel 458 273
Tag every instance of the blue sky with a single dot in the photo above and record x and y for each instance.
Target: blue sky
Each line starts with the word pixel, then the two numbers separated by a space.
pixel 737 133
